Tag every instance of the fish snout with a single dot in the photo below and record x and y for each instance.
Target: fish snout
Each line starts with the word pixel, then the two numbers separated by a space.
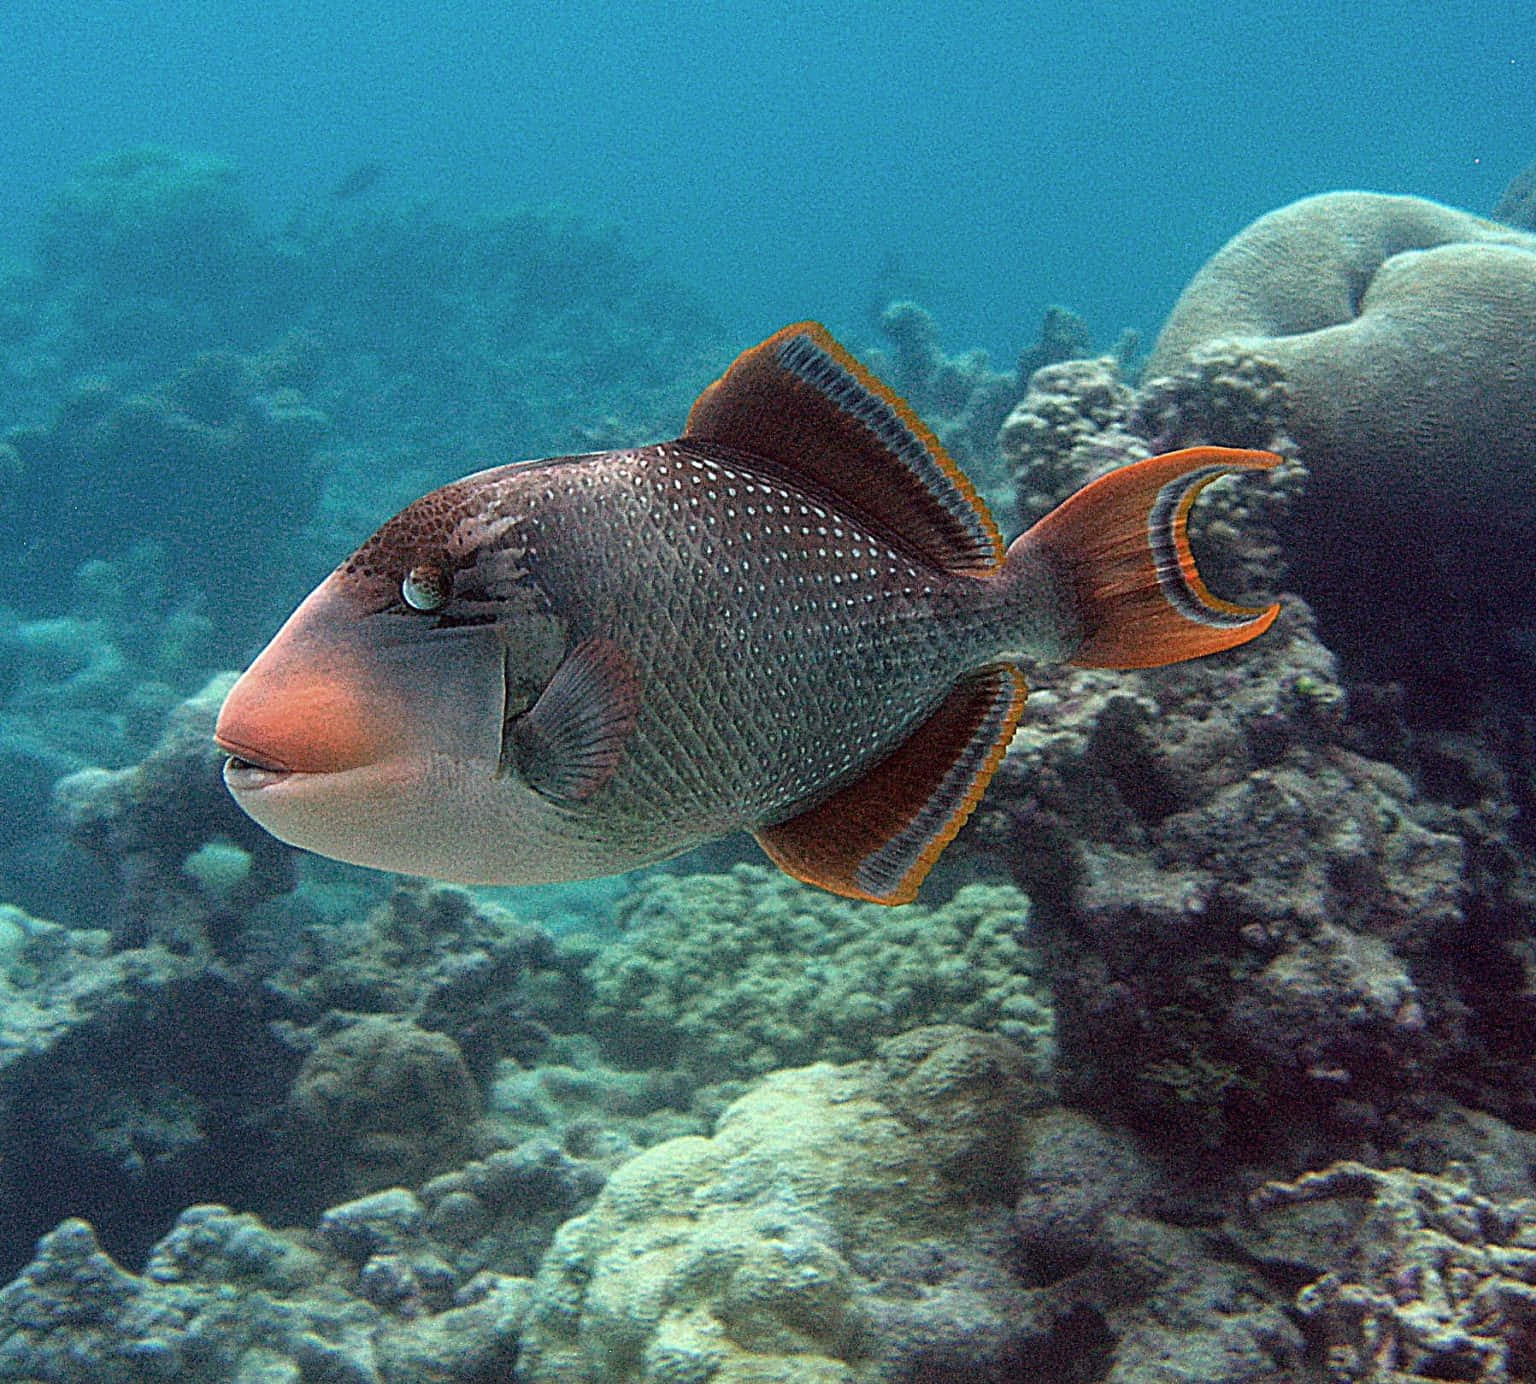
pixel 308 723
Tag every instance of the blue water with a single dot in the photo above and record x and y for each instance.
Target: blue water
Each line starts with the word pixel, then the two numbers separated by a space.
pixel 999 157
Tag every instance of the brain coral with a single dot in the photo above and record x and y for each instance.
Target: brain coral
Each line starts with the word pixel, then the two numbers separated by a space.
pixel 1402 334
pixel 730 976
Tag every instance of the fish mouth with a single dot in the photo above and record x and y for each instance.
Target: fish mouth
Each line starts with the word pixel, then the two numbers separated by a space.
pixel 246 770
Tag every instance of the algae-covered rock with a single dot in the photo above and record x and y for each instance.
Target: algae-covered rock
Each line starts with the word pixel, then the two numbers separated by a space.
pixel 729 976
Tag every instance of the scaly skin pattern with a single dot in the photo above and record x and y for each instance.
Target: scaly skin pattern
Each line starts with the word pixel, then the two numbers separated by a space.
pixel 782 647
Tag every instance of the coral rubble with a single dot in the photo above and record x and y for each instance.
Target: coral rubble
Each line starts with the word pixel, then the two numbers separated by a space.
pixel 1417 1276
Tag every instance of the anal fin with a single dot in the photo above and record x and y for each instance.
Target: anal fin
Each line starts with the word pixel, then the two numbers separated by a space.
pixel 878 837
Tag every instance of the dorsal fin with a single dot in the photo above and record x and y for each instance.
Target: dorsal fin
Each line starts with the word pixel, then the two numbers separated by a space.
pixel 802 404
pixel 877 838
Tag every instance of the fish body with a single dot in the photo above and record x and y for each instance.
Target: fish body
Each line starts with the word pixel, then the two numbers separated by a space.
pixel 796 619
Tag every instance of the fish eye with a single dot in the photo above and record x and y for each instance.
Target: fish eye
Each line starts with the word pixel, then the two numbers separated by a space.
pixel 425 587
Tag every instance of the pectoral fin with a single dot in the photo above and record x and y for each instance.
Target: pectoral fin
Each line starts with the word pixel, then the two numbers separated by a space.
pixel 567 745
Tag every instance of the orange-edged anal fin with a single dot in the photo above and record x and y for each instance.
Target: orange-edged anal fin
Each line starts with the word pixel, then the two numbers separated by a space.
pixel 803 406
pixel 1120 546
pixel 878 837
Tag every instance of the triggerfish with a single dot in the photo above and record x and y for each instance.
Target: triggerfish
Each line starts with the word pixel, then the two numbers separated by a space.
pixel 797 619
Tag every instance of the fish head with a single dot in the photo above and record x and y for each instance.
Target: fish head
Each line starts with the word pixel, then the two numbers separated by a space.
pixel 371 728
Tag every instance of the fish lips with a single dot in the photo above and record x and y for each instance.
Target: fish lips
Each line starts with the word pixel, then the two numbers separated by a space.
pixel 247 770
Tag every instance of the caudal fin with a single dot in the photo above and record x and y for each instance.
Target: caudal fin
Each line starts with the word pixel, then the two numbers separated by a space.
pixel 1120 548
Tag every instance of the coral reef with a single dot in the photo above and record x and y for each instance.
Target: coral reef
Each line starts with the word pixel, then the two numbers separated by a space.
pixel 963 398
pixel 889 1220
pixel 1272 919
pixel 1080 420
pixel 502 1212
pixel 1413 1276
pixel 918 1216
pixel 223 1297
pixel 128 1079
pixel 927 1214
pixel 431 954
pixel 730 976
pixel 160 253
pixel 382 1102
pixel 86 689
pixel 1066 431
pixel 188 464
pixel 187 863
pixel 529 333
pixel 1245 922
pixel 791 1213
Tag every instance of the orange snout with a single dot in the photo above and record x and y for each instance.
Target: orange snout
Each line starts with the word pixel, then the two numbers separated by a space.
pixel 301 721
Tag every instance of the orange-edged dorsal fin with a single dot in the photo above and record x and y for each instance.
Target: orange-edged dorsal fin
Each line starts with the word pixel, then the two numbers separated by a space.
pixel 803 405
pixel 877 838
pixel 1120 547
